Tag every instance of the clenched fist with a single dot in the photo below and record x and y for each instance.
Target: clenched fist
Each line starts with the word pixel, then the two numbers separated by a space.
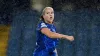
pixel 70 38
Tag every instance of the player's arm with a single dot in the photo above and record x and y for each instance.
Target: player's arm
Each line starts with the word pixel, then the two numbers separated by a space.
pixel 51 34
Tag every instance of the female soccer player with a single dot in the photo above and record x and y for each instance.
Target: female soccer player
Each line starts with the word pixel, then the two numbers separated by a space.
pixel 47 37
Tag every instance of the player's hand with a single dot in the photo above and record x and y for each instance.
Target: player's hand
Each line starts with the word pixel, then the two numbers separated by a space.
pixel 70 38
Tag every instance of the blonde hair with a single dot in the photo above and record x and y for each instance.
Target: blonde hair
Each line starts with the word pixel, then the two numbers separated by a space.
pixel 44 12
pixel 45 9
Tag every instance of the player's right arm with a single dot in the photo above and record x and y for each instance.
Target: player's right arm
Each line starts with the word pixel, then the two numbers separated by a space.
pixel 51 34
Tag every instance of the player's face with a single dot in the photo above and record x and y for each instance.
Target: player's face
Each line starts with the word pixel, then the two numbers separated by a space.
pixel 48 15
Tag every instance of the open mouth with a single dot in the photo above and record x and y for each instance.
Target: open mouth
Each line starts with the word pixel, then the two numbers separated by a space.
pixel 50 17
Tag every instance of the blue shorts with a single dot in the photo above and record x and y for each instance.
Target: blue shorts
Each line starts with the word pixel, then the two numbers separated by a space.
pixel 44 53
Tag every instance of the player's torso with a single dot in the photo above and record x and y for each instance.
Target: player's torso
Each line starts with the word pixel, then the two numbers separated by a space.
pixel 45 42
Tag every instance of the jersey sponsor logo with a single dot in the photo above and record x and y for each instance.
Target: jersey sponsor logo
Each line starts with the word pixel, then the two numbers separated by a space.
pixel 53 30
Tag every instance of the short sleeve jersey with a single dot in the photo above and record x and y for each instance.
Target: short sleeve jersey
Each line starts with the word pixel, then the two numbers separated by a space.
pixel 43 41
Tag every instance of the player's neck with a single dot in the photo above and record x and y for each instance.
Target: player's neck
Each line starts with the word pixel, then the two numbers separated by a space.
pixel 48 22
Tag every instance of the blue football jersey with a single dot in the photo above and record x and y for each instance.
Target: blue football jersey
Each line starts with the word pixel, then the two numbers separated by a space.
pixel 44 42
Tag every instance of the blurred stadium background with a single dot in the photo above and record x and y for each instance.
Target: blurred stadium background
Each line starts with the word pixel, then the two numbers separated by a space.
pixel 80 18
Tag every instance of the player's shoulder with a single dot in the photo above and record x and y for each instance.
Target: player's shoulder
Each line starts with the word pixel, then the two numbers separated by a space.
pixel 42 24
